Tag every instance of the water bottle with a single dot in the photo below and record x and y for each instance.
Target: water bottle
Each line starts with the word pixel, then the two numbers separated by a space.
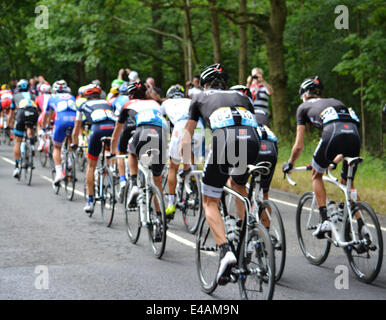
pixel 22 147
pixel 354 194
pixel 333 210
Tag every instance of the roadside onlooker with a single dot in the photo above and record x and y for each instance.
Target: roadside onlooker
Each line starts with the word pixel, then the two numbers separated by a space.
pixel 151 85
pixel 260 90
pixel 194 86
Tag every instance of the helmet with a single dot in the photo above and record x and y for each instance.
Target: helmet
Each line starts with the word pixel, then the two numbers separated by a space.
pixel 116 83
pixel 123 88
pixel 214 74
pixel 22 85
pixel 311 85
pixel 45 88
pixel 114 90
pixel 97 82
pixel 175 91
pixel 60 86
pixel 133 76
pixel 81 90
pixel 4 87
pixel 243 89
pixel 92 89
pixel 137 90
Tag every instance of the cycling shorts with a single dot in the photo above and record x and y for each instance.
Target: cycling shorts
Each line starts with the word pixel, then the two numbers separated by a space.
pixel 98 130
pixel 174 146
pixel 148 137
pixel 268 152
pixel 337 138
pixel 232 149
pixel 63 121
pixel 125 136
pixel 25 117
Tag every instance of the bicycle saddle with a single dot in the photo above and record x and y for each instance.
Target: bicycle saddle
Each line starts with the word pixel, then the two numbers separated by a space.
pixel 148 157
pixel 262 168
pixel 353 161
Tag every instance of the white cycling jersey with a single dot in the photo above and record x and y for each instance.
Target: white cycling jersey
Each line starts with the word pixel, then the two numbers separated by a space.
pixel 176 109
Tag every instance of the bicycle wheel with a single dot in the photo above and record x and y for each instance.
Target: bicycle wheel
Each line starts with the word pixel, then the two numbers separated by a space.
pixel 70 176
pixel 28 164
pixel 157 225
pixel 307 218
pixel 43 156
pixel 207 257
pixel 107 198
pixel 133 215
pixel 257 259
pixel 192 205
pixel 365 259
pixel 277 233
pixel 53 173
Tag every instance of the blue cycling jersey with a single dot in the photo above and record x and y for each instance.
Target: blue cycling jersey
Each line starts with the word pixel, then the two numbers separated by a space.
pixel 61 102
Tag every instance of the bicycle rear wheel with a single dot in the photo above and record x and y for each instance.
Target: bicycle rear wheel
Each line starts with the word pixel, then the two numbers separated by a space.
pixel 257 260
pixel 107 199
pixel 157 225
pixel 70 176
pixel 277 234
pixel 133 215
pixel 365 259
pixel 28 164
pixel 307 219
pixel 192 205
pixel 207 258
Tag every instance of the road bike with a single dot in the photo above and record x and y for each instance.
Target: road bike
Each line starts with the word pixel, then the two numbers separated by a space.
pixel 148 209
pixel 188 197
pixel 255 267
pixel 81 151
pixel 362 245
pixel 27 150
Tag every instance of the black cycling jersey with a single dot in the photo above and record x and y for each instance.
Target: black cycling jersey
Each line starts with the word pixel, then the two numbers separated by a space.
pixel 96 111
pixel 262 117
pixel 321 111
pixel 24 99
pixel 222 108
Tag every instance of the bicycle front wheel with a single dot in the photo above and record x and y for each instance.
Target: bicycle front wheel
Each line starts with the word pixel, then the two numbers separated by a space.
pixel 28 165
pixel 192 205
pixel 157 225
pixel 257 261
pixel 307 219
pixel 365 259
pixel 133 215
pixel 207 258
pixel 70 178
pixel 107 198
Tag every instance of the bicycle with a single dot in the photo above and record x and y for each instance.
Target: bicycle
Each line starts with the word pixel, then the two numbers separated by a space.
pixel 104 188
pixel 357 246
pixel 144 213
pixel 255 267
pixel 48 147
pixel 188 198
pixel 26 160
pixel 6 137
pixel 68 166
pixel 82 149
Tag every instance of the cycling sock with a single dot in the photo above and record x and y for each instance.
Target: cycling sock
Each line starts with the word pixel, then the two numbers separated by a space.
pixel 172 198
pixel 224 248
pixel 58 168
pixel 32 140
pixel 90 199
pixel 122 178
pixel 133 179
pixel 17 163
pixel 323 213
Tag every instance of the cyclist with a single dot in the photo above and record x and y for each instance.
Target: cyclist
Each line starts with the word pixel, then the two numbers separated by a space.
pixel 340 135
pixel 268 148
pixel 41 101
pixel 176 107
pixel 114 90
pixel 63 104
pixel 229 114
pixel 26 117
pixel 101 116
pixel 150 132
pixel 6 99
pixel 129 126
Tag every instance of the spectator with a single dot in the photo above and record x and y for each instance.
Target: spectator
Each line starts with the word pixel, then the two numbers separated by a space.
pixel 194 86
pixel 151 85
pixel 32 86
pixel 260 90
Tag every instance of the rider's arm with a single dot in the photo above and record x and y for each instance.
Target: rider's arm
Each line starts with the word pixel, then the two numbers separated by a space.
pixel 186 141
pixel 299 144
pixel 115 137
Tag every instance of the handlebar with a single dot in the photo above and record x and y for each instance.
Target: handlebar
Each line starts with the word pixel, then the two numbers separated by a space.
pixel 288 175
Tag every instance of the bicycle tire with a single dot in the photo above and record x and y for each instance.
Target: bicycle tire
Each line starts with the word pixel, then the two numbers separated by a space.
pixel 365 249
pixel 56 188
pixel 305 237
pixel 207 257
pixel 107 198
pixel 29 168
pixel 70 176
pixel 133 216
pixel 43 157
pixel 157 226
pixel 260 270
pixel 193 204
pixel 277 233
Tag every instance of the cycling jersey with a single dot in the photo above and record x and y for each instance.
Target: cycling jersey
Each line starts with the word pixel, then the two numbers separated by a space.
pixel 61 102
pixel 145 112
pixel 222 108
pixel 265 133
pixel 96 111
pixel 42 101
pixel 24 100
pixel 262 117
pixel 119 102
pixel 79 101
pixel 6 98
pixel 320 112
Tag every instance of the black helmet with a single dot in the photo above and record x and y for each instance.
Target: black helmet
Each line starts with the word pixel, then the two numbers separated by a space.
pixel 137 90
pixel 243 89
pixel 176 91
pixel 214 75
pixel 312 85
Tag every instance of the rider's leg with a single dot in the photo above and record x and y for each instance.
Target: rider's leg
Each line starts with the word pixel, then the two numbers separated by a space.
pixel 172 182
pixel 213 216
pixel 240 208
pixel 320 193
pixel 91 165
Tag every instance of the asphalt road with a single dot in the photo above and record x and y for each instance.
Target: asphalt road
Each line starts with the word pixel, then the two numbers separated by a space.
pixel 44 234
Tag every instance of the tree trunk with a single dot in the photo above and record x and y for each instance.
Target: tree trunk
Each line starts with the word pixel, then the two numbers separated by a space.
pixel 275 54
pixel 158 46
pixel 215 32
pixel 243 46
